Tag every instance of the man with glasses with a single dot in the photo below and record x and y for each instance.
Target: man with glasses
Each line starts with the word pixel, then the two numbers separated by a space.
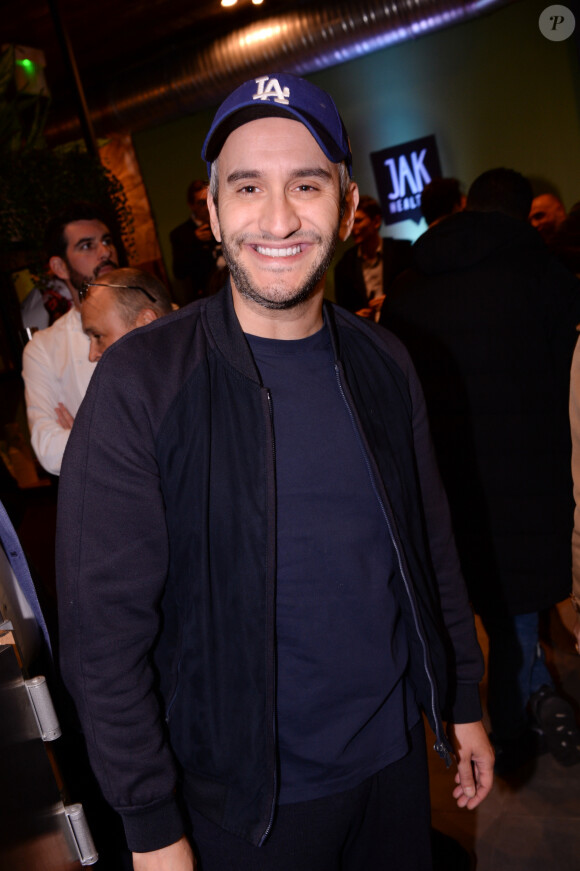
pixel 122 301
pixel 55 363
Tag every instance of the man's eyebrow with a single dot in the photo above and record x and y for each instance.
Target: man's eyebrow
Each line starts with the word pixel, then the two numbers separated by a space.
pixel 306 172
pixel 317 172
pixel 240 174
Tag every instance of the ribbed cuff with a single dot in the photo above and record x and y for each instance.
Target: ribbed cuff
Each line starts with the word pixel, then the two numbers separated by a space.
pixel 153 827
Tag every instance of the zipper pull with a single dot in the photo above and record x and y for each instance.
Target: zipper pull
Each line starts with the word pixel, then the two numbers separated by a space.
pixel 443 751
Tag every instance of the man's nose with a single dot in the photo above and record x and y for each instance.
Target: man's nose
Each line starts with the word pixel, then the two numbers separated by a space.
pixel 106 251
pixel 94 354
pixel 279 216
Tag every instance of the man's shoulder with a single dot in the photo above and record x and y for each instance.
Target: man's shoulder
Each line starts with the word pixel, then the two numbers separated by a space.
pixel 157 367
pixel 367 334
pixel 163 350
pixel 52 337
pixel 165 333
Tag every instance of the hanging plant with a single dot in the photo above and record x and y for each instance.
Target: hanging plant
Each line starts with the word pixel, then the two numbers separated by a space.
pixel 36 182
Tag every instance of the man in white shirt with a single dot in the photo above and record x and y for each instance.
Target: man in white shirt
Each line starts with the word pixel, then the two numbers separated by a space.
pixel 55 363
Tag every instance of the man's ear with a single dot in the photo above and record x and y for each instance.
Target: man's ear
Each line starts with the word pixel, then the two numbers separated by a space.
pixel 59 267
pixel 350 207
pixel 145 316
pixel 213 217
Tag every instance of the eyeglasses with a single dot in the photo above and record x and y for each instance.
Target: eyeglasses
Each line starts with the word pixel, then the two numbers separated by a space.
pixel 84 289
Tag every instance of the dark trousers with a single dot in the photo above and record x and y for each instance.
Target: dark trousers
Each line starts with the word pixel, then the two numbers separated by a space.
pixel 516 670
pixel 381 825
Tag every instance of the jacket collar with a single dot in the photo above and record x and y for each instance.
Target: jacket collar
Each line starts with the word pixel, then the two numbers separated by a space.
pixel 227 333
pixel 228 336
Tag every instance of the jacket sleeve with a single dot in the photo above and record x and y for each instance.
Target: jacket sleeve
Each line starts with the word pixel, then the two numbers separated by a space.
pixel 456 609
pixel 112 558
pixel 41 395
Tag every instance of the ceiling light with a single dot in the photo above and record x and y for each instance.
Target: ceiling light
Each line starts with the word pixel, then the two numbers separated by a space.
pixel 228 2
pixel 260 35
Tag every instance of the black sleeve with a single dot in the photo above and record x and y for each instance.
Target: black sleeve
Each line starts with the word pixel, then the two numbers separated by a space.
pixel 112 559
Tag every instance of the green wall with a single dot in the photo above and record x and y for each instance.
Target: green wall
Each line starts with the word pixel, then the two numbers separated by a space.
pixel 493 90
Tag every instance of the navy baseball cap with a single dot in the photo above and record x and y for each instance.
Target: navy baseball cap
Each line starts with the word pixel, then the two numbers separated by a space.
pixel 288 96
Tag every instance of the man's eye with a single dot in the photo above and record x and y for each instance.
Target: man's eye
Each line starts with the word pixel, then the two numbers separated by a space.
pixel 248 189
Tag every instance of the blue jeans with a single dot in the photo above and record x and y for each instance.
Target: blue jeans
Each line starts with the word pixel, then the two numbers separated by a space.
pixel 516 670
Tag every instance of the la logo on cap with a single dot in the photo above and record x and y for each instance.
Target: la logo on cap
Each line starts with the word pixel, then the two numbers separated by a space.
pixel 273 89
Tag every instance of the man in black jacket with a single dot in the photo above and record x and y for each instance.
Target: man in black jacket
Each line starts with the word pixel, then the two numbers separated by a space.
pixel 365 272
pixel 489 316
pixel 197 262
pixel 259 591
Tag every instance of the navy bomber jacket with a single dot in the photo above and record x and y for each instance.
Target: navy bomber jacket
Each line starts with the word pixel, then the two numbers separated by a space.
pixel 166 559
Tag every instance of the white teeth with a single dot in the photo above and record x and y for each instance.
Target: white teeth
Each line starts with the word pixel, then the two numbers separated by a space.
pixel 278 252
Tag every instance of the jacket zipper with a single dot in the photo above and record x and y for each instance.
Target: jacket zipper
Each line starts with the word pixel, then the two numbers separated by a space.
pixel 440 744
pixel 275 783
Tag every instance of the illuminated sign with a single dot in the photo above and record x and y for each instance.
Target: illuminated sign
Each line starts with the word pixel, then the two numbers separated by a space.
pixel 401 173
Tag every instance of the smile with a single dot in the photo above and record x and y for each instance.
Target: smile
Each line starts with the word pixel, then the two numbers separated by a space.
pixel 279 252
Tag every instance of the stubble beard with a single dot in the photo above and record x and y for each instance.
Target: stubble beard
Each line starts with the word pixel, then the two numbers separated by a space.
pixel 270 297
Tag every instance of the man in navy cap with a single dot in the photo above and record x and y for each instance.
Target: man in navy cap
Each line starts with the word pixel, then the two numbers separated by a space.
pixel 259 590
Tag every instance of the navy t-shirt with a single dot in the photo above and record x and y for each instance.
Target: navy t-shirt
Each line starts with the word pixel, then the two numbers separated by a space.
pixel 341 646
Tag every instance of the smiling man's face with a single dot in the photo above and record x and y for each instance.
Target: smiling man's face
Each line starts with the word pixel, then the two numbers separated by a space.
pixel 278 214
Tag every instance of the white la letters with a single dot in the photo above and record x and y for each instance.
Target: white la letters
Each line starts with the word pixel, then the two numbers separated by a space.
pixel 272 89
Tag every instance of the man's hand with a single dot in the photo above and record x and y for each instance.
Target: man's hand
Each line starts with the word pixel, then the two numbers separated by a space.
pixel 203 233
pixel 175 857
pixel 376 303
pixel 63 416
pixel 475 758
pixel 576 631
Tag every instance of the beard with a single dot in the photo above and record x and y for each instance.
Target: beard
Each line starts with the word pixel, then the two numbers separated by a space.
pixel 77 279
pixel 274 296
